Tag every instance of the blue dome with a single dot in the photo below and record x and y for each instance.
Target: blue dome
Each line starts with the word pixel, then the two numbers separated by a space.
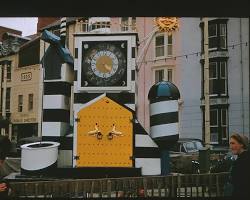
pixel 165 90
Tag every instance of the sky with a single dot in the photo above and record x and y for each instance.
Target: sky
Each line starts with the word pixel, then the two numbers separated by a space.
pixel 25 24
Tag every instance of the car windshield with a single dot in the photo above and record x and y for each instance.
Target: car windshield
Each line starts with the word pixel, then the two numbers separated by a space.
pixel 190 147
pixel 198 145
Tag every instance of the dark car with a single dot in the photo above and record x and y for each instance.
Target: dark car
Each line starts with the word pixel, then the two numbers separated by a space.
pixel 184 155
pixel 187 146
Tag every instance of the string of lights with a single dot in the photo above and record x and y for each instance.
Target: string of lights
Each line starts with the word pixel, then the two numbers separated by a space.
pixel 198 53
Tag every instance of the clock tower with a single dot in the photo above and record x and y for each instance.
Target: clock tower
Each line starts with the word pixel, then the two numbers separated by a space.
pixel 105 63
pixel 107 133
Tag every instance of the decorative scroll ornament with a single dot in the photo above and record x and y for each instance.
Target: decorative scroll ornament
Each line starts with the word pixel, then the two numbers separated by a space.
pixel 167 24
pixel 9 46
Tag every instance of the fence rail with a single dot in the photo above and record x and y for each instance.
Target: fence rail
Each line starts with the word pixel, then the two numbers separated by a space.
pixel 191 185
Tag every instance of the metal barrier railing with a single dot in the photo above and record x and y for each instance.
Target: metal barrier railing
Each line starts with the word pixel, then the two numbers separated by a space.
pixel 191 185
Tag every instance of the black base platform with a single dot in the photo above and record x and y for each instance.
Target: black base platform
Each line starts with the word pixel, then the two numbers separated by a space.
pixel 83 173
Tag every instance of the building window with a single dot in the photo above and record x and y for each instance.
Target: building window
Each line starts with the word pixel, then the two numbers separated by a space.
pixel 223 78
pixel 217 34
pixel 224 125
pixel 7 101
pixel 218 125
pixel 84 25
pixel 159 46
pixel 170 75
pixel 163 74
pixel 163 45
pixel 170 45
pixel 20 103
pixel 214 126
pixel 159 75
pixel 213 77
pixel 30 104
pixel 218 78
pixel 133 23
pixel 223 36
pixel 9 72
pixel 212 36
pixel 124 23
pixel 128 23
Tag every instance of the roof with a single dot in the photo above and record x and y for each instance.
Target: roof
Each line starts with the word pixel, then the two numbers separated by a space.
pixel 15 35
pixel 56 24
pixel 96 33
pixel 163 89
pixel 33 36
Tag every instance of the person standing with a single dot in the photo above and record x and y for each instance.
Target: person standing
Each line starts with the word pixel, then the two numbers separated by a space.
pixel 5 146
pixel 240 173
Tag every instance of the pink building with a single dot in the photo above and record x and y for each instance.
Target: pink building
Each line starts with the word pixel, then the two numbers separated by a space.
pixel 157 62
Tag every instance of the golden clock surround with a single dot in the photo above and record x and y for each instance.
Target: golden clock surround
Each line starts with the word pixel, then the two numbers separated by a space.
pixel 104 64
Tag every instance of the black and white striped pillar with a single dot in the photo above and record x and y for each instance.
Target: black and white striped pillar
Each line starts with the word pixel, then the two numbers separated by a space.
pixel 164 119
pixel 57 99
pixel 63 30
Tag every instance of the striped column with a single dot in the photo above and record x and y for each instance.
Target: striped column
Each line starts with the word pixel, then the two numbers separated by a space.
pixel 56 108
pixel 164 121
pixel 56 114
pixel 63 30
pixel 146 152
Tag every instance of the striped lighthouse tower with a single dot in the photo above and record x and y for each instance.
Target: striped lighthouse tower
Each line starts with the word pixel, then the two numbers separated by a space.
pixel 164 118
pixel 58 65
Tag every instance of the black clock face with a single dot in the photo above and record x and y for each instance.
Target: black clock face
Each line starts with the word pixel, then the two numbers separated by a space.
pixel 104 63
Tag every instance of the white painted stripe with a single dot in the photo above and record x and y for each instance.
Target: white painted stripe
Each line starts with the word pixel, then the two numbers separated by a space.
pixel 56 102
pixel 54 128
pixel 133 41
pixel 144 141
pixel 133 63
pixel 67 73
pixel 75 87
pixel 132 87
pixel 149 166
pixel 78 106
pixel 164 130
pixel 131 106
pixel 163 107
pixel 63 23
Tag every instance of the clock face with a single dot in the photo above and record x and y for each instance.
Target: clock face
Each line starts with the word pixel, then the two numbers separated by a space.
pixel 104 63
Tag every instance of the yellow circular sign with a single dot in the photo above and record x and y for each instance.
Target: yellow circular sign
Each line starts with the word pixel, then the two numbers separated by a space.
pixel 167 24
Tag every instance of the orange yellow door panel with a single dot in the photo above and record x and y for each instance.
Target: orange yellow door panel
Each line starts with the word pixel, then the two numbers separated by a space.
pixel 104 135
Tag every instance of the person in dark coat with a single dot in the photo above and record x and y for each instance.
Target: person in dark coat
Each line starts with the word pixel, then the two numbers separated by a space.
pixel 240 173
pixel 5 146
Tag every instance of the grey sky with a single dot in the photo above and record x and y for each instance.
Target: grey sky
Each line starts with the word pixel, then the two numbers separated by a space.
pixel 25 24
